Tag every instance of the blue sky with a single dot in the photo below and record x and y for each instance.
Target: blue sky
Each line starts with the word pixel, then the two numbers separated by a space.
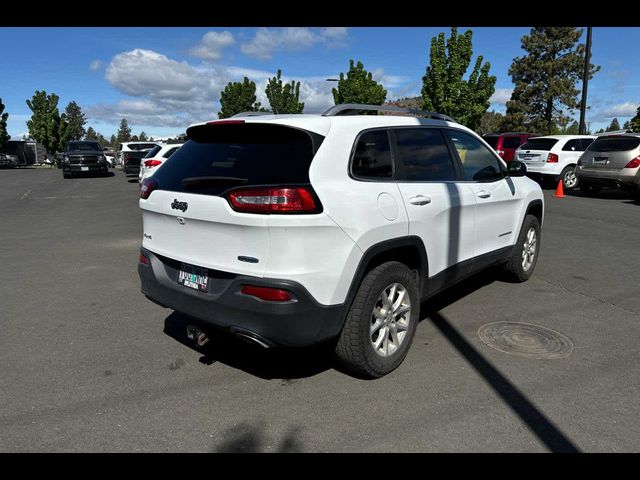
pixel 163 79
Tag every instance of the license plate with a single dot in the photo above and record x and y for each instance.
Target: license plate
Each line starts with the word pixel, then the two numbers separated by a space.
pixel 527 157
pixel 600 159
pixel 193 277
pixel 84 169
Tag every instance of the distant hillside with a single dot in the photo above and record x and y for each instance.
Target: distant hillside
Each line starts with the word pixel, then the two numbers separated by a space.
pixel 411 102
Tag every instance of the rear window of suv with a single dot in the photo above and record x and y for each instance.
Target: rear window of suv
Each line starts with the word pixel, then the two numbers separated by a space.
pixel 220 157
pixel 539 144
pixel 511 142
pixel 141 146
pixel 614 144
pixel 153 151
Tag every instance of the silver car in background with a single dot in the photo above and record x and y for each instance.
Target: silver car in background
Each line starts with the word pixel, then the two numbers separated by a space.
pixel 611 161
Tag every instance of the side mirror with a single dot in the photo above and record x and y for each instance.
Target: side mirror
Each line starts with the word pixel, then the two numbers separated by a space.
pixel 515 168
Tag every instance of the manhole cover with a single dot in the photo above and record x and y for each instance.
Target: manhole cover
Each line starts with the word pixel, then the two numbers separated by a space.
pixel 526 340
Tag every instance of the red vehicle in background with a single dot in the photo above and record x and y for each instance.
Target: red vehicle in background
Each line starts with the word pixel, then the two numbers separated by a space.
pixel 505 144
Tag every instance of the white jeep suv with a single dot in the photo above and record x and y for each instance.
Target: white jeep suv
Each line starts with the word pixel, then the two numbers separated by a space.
pixel 290 230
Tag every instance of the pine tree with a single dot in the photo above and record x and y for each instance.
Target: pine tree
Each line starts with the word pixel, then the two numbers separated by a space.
pixel 545 79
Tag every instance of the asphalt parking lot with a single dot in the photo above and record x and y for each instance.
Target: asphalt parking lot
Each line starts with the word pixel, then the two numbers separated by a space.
pixel 88 364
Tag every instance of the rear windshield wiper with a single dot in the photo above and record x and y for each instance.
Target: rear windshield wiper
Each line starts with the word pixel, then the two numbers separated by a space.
pixel 203 182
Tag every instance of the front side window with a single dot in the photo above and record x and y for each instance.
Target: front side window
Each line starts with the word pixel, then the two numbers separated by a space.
pixel 372 156
pixel 478 163
pixel 424 155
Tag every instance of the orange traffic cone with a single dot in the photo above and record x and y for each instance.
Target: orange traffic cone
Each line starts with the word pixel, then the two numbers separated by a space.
pixel 559 191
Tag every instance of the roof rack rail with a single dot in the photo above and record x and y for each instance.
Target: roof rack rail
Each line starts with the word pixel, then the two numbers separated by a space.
pixel 251 114
pixel 615 132
pixel 357 108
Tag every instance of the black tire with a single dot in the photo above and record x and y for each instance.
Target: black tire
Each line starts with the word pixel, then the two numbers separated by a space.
pixel 354 348
pixel 66 175
pixel 514 269
pixel 589 190
pixel 563 176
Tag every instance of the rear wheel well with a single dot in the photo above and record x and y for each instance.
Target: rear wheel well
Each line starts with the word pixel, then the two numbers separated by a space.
pixel 409 255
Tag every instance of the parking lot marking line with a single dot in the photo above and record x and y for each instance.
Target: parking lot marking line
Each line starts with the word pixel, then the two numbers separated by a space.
pixel 25 195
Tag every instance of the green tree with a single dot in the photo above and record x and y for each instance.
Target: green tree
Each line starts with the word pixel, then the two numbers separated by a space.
pixel 46 126
pixel 443 88
pixel 358 86
pixel 143 136
pixel 490 122
pixel 614 125
pixel 76 121
pixel 135 138
pixel 91 134
pixel 284 99
pixel 545 79
pixel 124 131
pixel 113 142
pixel 635 122
pixel 4 135
pixel 238 97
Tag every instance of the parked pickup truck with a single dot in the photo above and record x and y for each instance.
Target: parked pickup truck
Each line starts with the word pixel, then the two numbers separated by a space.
pixel 83 157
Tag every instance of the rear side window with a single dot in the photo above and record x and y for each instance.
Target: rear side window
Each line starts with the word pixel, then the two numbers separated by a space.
pixel 584 143
pixel 478 163
pixel 571 146
pixel 614 144
pixel 424 155
pixel 220 157
pixel 372 156
pixel 170 152
pixel 153 151
pixel 539 144
pixel 511 142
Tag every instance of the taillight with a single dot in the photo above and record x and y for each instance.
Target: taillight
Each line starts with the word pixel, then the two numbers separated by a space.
pixel 266 293
pixel 144 259
pixel 272 200
pixel 635 163
pixel 552 158
pixel 152 163
pixel 148 186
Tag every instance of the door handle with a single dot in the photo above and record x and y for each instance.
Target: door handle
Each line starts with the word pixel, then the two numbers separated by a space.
pixel 419 200
pixel 484 194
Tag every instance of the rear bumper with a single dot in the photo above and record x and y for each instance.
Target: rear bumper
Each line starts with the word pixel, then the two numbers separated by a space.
pixel 609 177
pixel 131 169
pixel 300 322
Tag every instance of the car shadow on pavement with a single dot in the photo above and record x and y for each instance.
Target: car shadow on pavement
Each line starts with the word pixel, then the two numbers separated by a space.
pixel 287 364
pixel 251 438
pixel 541 426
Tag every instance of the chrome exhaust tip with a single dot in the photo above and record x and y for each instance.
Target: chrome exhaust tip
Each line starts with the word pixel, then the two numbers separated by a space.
pixel 197 335
pixel 252 339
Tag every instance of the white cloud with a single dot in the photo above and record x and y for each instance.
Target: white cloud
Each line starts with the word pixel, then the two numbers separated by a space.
pixel 212 44
pixel 95 65
pixel 501 96
pixel 168 93
pixel 268 40
pixel 626 109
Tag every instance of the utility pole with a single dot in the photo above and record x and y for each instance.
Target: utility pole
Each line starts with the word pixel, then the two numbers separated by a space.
pixel 585 82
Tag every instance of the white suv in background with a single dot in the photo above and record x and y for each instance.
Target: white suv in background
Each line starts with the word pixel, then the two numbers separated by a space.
pixel 289 230
pixel 155 158
pixel 554 157
pixel 132 147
